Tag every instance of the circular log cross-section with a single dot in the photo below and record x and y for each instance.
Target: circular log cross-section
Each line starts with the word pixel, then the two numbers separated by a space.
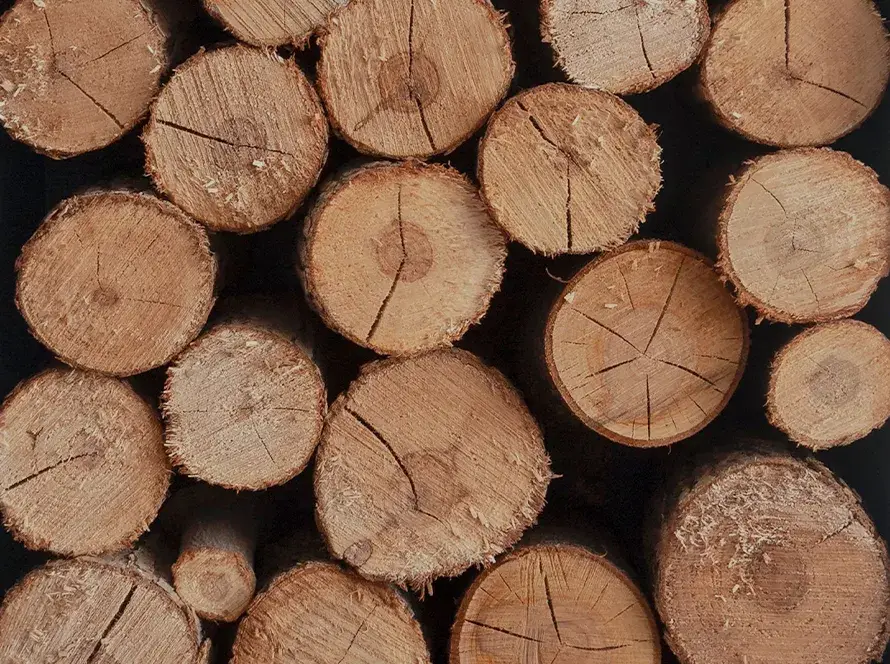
pixel 401 258
pixel 640 44
pixel 272 22
pixel 554 603
pixel 645 344
pixel 244 407
pixel 327 615
pixel 75 76
pixel 804 235
pixel 427 466
pixel 431 72
pixel 770 558
pixel 565 169
pixel 82 464
pixel 88 610
pixel 139 281
pixel 795 72
pixel 237 138
pixel 830 385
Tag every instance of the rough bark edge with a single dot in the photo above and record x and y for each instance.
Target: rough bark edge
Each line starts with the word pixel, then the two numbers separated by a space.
pixel 492 211
pixel 197 232
pixel 500 386
pixel 772 410
pixel 698 476
pixel 300 41
pixel 330 189
pixel 241 567
pixel 291 66
pixel 553 374
pixel 726 206
pixel 35 542
pixel 498 19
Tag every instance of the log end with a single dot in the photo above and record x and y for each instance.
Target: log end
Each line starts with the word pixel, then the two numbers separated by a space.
pixel 216 583
pixel 272 23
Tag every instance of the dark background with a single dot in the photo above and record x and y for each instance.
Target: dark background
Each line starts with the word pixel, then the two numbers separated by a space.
pixel 603 485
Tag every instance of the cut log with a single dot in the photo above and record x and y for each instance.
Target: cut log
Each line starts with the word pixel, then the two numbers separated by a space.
pixel 401 258
pixel 323 614
pixel 565 169
pixel 237 138
pixel 139 281
pixel 645 345
pixel 244 404
pixel 272 22
pixel 432 72
pixel 804 235
pixel 75 76
pixel 624 47
pixel 768 558
pixel 830 385
pixel 426 467
pixel 82 467
pixel 89 610
pixel 795 73
pixel 554 601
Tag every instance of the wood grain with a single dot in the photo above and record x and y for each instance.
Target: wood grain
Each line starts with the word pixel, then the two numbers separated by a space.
pixel 272 22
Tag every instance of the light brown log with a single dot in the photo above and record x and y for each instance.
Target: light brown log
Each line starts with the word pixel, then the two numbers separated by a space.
pixel 554 602
pixel 90 610
pixel 566 169
pixel 117 282
pixel 830 385
pixel 401 258
pixel 272 22
pixel 765 557
pixel 795 72
pixel 320 613
pixel 645 345
pixel 431 73
pixel 624 46
pixel 428 466
pixel 76 75
pixel 82 464
pixel 237 138
pixel 804 235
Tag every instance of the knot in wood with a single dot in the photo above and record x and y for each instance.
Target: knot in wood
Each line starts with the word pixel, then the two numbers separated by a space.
pixel 404 246
pixel 408 81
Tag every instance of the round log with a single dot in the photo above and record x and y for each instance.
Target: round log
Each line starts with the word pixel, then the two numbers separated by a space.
pixel 426 467
pixel 139 279
pixel 638 44
pixel 327 615
pixel 82 468
pixel 272 22
pixel 768 558
pixel 432 72
pixel 829 386
pixel 401 258
pixel 790 73
pixel 804 235
pixel 237 138
pixel 645 345
pixel 566 169
pixel 75 76
pixel 554 602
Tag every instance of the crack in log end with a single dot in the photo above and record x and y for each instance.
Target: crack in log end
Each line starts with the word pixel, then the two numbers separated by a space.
pixel 800 79
pixel 217 139
pixel 43 471
pixel 612 367
pixel 667 303
pixel 538 127
pixel 648 411
pixel 504 631
pixel 590 12
pixel 114 620
pixel 412 88
pixel 569 204
pixel 263 443
pixel 357 632
pixel 788 35
pixel 91 98
pixel 398 275
pixel 606 328
pixel 550 601
pixel 112 50
pixel 692 373
pixel 837 531
pixel 643 42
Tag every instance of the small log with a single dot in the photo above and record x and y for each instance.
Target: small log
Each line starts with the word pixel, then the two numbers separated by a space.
pixel 139 279
pixel 427 466
pixel 765 557
pixel 434 71
pixel 808 238
pixel 638 44
pixel 645 345
pixel 272 22
pixel 90 610
pixel 237 138
pixel 401 258
pixel 830 385
pixel 82 468
pixel 328 615
pixel 566 169
pixel 76 76
pixel 794 74
pixel 244 405
pixel 554 601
